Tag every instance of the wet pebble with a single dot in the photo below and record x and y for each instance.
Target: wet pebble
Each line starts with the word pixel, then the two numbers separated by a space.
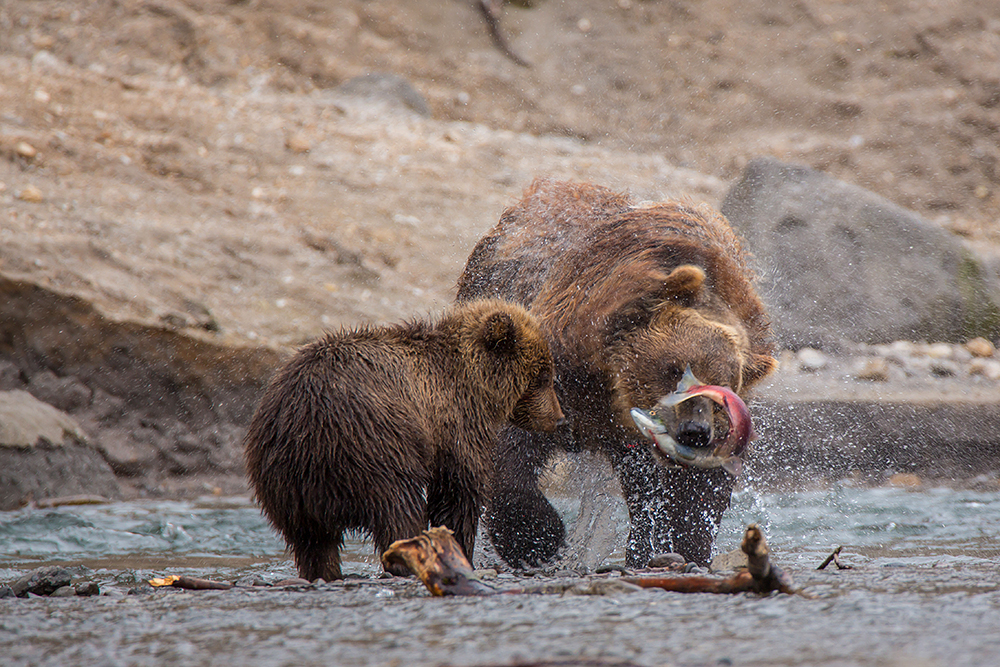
pixel 88 588
pixel 875 369
pixel 64 592
pixel 905 480
pixel 295 581
pixel 31 194
pixel 939 351
pixel 25 150
pixel 298 143
pixel 987 368
pixel 811 360
pixel 944 368
pixel 666 560
pixel 42 581
pixel 251 581
pixel 142 589
pixel 603 587
pixel 980 347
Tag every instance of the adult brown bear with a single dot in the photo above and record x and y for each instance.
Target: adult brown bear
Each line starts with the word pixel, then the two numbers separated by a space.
pixel 385 429
pixel 628 296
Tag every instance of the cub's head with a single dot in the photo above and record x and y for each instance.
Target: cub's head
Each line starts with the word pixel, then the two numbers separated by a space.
pixel 510 359
pixel 689 326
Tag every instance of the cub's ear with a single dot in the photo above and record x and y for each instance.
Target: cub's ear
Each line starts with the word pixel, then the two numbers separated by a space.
pixel 683 283
pixel 499 333
pixel 757 367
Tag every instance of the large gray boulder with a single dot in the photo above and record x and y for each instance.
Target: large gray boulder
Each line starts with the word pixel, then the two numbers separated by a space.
pixel 45 454
pixel 839 262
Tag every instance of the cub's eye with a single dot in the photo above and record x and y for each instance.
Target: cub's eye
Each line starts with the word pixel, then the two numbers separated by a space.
pixel 542 380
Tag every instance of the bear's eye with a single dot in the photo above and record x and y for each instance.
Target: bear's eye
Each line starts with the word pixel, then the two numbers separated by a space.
pixel 670 376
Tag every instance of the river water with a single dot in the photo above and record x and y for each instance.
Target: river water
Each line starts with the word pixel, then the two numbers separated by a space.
pixel 924 591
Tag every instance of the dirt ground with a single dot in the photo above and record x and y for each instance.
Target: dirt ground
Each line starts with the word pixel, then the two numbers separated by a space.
pixel 195 164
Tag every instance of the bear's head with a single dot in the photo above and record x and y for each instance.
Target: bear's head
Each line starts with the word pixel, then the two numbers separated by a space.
pixel 509 358
pixel 688 325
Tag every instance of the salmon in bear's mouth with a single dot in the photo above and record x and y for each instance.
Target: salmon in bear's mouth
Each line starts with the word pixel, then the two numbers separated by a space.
pixel 724 454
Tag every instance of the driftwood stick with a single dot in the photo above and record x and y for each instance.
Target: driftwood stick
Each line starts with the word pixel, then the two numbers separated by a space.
pixel 435 557
pixel 741 582
pixel 835 559
pixel 767 577
pixel 191 583
pixel 491 10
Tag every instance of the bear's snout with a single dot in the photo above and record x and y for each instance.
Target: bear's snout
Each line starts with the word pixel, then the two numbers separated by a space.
pixel 694 433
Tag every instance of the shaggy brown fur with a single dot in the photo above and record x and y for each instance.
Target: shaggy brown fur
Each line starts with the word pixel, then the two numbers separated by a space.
pixel 385 429
pixel 628 296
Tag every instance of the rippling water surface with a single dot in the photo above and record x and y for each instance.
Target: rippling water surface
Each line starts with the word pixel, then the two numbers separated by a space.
pixel 924 591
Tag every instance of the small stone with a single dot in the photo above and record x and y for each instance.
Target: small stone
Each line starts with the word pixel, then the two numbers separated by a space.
pixel 42 581
pixel 729 561
pixel 874 369
pixel 6 592
pixel 980 347
pixel 902 347
pixel 905 480
pixel 603 587
pixel 32 194
pixel 298 143
pixel 295 581
pixel 64 592
pixel 666 560
pixel 88 588
pixel 143 588
pixel 250 581
pixel 811 360
pixel 25 150
pixel 944 368
pixel 987 368
pixel 939 351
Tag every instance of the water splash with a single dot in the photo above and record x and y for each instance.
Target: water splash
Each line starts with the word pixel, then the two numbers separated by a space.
pixel 596 531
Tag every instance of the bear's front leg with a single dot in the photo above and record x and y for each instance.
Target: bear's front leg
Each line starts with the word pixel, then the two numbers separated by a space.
pixel 455 498
pixel 523 526
pixel 671 509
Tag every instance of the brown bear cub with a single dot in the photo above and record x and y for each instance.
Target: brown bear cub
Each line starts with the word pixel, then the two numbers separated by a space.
pixel 387 429
pixel 629 296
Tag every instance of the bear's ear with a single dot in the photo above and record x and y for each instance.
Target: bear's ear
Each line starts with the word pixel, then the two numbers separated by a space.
pixel 683 283
pixel 499 333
